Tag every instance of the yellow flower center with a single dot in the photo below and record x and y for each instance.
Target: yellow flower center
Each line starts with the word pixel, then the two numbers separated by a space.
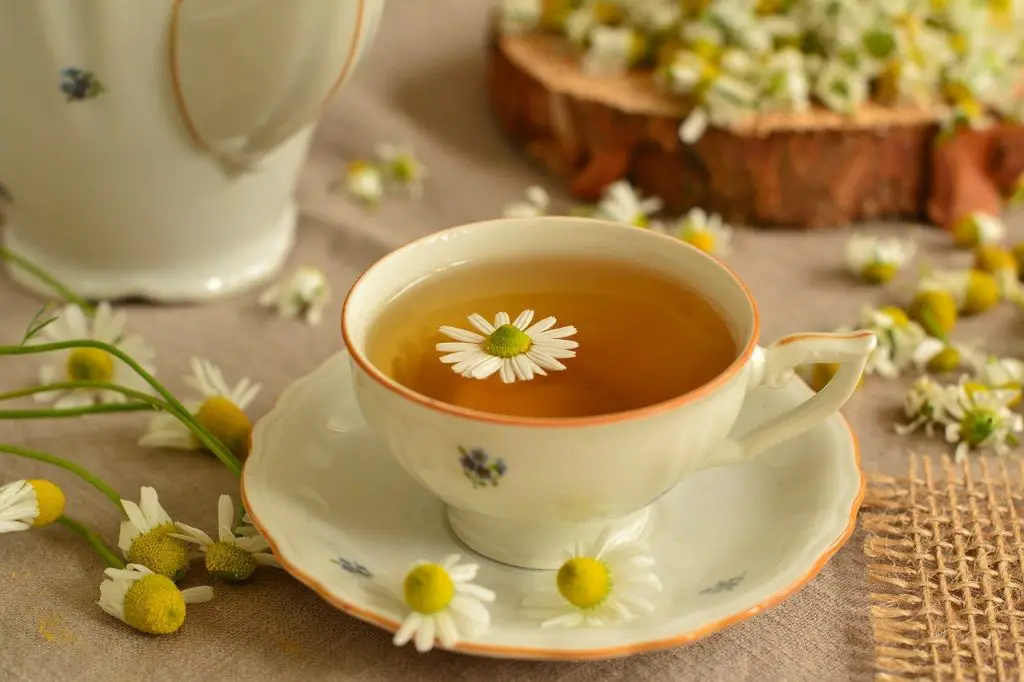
pixel 878 273
pixel 229 562
pixel 946 360
pixel 227 422
pixel 357 167
pixel 428 589
pixel 50 500
pixel 993 258
pixel 706 50
pixel 958 43
pixel 701 239
pixel 584 582
pixel 160 553
pixel 897 315
pixel 607 13
pixel 508 341
pixel 154 605
pixel 982 292
pixel 90 364
pixel 935 310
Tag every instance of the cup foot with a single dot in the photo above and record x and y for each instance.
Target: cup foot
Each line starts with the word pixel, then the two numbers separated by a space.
pixel 535 544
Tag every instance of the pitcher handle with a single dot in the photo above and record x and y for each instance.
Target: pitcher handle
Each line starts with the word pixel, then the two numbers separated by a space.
pixel 774 366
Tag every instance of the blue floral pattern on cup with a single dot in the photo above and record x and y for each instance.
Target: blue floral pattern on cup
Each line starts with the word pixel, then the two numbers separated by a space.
pixel 480 468
pixel 353 567
pixel 725 585
pixel 79 84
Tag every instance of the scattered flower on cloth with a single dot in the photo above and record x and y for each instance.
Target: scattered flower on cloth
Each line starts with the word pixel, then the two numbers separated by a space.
pixel 536 204
pixel 980 417
pixel 898 340
pixel 597 586
pixel 221 411
pixel 622 203
pixel 516 350
pixel 306 294
pixel 237 551
pixel 29 504
pixel 996 372
pixel 973 291
pixel 147 537
pixel 936 355
pixel 365 182
pixel 91 364
pixel 926 406
pixel 709 233
pixel 399 166
pixel 147 601
pixel 877 260
pixel 978 228
pixel 443 601
pixel 935 310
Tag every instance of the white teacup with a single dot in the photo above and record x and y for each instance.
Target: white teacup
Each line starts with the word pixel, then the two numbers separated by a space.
pixel 523 490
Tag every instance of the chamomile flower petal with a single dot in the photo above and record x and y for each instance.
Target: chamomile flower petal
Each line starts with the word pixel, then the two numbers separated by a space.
pixel 709 233
pixel 621 202
pixel 877 260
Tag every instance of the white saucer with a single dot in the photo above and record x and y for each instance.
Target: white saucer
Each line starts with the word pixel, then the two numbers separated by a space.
pixel 728 542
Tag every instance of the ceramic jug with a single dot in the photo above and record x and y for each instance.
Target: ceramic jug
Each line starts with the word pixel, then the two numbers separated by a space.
pixel 152 148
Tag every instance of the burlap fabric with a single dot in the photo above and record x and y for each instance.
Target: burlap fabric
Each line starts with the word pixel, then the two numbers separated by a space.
pixel 422 85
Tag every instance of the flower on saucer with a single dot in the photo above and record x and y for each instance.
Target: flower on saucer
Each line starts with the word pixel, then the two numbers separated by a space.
pixel 147 601
pixel 400 166
pixel 877 260
pixel 515 350
pixel 535 205
pixel 521 16
pixel 709 233
pixel 305 294
pixel 91 364
pixel 980 417
pixel 237 551
pixel 597 586
pixel 29 504
pixel 622 203
pixel 221 411
pixel 978 228
pixel 443 603
pixel 364 181
pixel 146 537
pixel 925 405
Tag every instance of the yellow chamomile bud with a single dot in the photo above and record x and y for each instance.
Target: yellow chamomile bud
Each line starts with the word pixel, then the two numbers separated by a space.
pixel 946 360
pixel 584 582
pixel 982 292
pixel 146 601
pixel 225 420
pixel 229 562
pixel 935 310
pixel 993 258
pixel 977 228
pixel 899 316
pixel 50 500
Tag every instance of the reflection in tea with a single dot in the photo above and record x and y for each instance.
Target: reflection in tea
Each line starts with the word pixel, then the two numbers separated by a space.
pixel 643 338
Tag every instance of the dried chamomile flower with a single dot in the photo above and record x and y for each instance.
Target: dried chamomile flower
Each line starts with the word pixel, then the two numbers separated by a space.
pixel 536 204
pixel 877 260
pixel 364 181
pixel 306 293
pixel 709 233
pixel 973 291
pixel 237 551
pixel 935 310
pixel 399 166
pixel 147 601
pixel 980 418
pixel 925 405
pixel 146 537
pixel 978 228
pixel 622 203
pixel 29 504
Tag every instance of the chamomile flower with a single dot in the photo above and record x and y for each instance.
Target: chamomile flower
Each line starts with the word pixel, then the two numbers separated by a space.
pixel 622 203
pixel 973 291
pixel 221 411
pixel 978 228
pixel 840 87
pixel 443 603
pixel 147 601
pixel 996 372
pixel 898 339
pixel 612 50
pixel 521 16
pixel 400 166
pixel 597 586
pixel 980 417
pixel 877 260
pixel 926 406
pixel 306 293
pixel 516 350
pixel 146 537
pixel 29 504
pixel 91 364
pixel 709 233
pixel 536 204
pixel 936 355
pixel 786 87
pixel 237 551
pixel 364 181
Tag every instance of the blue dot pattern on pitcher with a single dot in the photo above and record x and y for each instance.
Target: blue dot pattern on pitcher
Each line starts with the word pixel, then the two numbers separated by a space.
pixel 353 567
pixel 79 84
pixel 481 470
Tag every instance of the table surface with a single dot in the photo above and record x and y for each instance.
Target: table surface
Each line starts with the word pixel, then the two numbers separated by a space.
pixel 421 84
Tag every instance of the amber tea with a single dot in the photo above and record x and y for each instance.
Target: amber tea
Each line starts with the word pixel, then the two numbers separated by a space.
pixel 643 338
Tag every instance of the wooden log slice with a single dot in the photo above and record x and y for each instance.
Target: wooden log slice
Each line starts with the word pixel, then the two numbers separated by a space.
pixel 813 170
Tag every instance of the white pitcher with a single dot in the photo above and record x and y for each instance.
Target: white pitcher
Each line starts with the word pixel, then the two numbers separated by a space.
pixel 151 147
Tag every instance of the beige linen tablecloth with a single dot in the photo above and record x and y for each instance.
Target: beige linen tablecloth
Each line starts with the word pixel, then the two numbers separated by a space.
pixel 422 85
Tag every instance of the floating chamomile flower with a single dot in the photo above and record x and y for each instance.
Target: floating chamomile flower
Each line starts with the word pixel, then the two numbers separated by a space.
pixel 973 291
pixel 237 551
pixel 364 181
pixel 29 504
pixel 980 417
pixel 535 205
pixel 221 411
pixel 877 260
pixel 304 294
pixel 400 166
pixel 91 364
pixel 515 350
pixel 709 233
pixel 147 601
pixel 925 405
pixel 443 603
pixel 622 203
pixel 521 16
pixel 146 537
pixel 597 586
pixel 978 228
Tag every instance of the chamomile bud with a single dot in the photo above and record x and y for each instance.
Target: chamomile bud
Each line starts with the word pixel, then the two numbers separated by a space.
pixel 935 310
pixel 29 504
pixel 147 601
pixel 977 228
pixel 983 292
pixel 993 258
pixel 876 260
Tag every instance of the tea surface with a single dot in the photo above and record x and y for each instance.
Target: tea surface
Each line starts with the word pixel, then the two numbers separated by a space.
pixel 643 338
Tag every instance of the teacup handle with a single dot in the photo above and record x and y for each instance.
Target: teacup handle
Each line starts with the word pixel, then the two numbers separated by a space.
pixel 774 367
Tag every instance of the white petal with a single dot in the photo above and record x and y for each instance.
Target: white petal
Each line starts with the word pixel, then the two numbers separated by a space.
pixel 461 334
pixel 507 371
pixel 470 611
pixel 466 367
pixel 501 319
pixel 74 399
pixel 692 129
pixel 456 347
pixel 197 595
pixel 545 360
pixel 446 630
pixel 192 534
pixel 524 319
pixel 424 640
pixel 560 333
pixel 540 327
pixel 265 559
pixel 463 356
pixel 569 620
pixel 486 367
pixel 481 323
pixel 225 518
pixel 407 629
pixel 524 367
pixel 469 589
pixel 75 323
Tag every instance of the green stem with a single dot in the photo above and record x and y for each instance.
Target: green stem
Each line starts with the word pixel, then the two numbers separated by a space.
pixel 94 540
pixel 84 474
pixel 94 385
pixel 175 406
pixel 49 280
pixel 75 411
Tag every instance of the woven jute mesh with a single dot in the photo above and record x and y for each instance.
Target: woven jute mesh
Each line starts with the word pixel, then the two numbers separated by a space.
pixel 945 547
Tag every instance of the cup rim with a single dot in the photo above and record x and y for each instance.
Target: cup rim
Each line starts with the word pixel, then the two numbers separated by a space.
pixel 741 360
